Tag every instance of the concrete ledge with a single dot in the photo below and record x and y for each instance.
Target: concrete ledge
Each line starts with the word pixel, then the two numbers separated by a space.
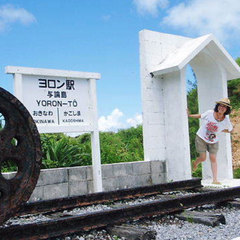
pixel 225 183
pixel 107 171
pixel 158 178
pixel 78 188
pixel 37 194
pixel 77 174
pixel 9 175
pixel 158 166
pixel 53 176
pixel 126 181
pixel 67 182
pixel 89 173
pixel 90 186
pixel 143 180
pixel 55 191
pixel 110 184
pixel 141 167
pixel 122 169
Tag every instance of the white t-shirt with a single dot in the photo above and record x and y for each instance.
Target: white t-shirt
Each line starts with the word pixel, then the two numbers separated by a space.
pixel 210 127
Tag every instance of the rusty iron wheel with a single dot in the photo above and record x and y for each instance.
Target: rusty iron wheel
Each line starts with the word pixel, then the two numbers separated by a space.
pixel 20 146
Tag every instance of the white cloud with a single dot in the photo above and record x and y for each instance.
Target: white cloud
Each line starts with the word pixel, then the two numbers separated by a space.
pixel 112 122
pixel 206 16
pixel 150 6
pixel 10 14
pixel 134 122
pixel 116 121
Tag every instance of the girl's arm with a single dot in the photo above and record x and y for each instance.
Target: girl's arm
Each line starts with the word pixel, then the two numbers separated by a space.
pixel 193 115
pixel 227 131
pixel 231 126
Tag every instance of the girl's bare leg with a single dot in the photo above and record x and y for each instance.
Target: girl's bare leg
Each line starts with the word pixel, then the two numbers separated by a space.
pixel 213 159
pixel 201 158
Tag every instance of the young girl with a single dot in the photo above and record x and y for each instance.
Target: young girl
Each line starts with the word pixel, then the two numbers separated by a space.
pixel 214 122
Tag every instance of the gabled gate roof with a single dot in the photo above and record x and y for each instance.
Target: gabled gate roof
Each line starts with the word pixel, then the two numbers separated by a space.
pixel 183 55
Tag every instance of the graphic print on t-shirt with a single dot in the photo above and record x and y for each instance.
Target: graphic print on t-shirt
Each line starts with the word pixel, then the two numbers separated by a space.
pixel 211 129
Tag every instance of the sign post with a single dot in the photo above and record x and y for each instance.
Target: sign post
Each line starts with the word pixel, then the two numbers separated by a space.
pixel 61 101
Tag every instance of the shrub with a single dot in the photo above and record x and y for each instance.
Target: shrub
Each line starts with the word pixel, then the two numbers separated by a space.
pixel 236 173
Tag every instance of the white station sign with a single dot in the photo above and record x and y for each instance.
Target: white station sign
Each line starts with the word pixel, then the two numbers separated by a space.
pixel 56 101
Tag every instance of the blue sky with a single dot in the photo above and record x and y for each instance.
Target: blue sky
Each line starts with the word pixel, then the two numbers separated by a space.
pixel 102 36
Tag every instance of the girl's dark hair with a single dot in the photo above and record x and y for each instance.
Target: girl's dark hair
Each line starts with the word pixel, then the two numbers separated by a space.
pixel 226 113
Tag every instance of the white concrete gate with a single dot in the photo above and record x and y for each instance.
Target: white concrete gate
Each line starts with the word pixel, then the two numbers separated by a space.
pixel 163 59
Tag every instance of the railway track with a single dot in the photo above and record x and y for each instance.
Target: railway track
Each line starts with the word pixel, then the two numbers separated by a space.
pixel 69 224
pixel 104 197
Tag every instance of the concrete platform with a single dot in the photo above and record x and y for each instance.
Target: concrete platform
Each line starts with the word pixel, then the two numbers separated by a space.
pixel 224 183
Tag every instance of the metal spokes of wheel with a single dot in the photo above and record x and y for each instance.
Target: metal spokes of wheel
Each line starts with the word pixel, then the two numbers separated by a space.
pixel 20 150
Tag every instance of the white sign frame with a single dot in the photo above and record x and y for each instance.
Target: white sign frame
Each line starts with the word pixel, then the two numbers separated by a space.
pixel 19 73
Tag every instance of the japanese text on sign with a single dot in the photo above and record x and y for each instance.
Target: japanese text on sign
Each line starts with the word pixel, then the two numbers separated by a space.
pixel 57 101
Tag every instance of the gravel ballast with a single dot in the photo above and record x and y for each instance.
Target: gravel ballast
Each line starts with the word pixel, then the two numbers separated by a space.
pixel 168 227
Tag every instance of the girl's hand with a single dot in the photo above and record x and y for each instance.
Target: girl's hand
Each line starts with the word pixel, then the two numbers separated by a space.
pixel 226 131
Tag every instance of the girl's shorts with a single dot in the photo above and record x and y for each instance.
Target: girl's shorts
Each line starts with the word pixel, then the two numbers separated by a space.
pixel 202 146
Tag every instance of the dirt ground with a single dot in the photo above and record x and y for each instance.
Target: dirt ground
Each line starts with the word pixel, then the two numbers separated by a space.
pixel 235 119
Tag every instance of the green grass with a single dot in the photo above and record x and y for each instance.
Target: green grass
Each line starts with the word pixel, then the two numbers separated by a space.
pixel 198 172
pixel 236 173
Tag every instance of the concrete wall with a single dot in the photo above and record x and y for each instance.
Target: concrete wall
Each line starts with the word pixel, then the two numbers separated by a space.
pixel 66 182
pixel 164 103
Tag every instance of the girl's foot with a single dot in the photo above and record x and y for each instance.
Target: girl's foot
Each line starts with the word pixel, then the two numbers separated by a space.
pixel 216 182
